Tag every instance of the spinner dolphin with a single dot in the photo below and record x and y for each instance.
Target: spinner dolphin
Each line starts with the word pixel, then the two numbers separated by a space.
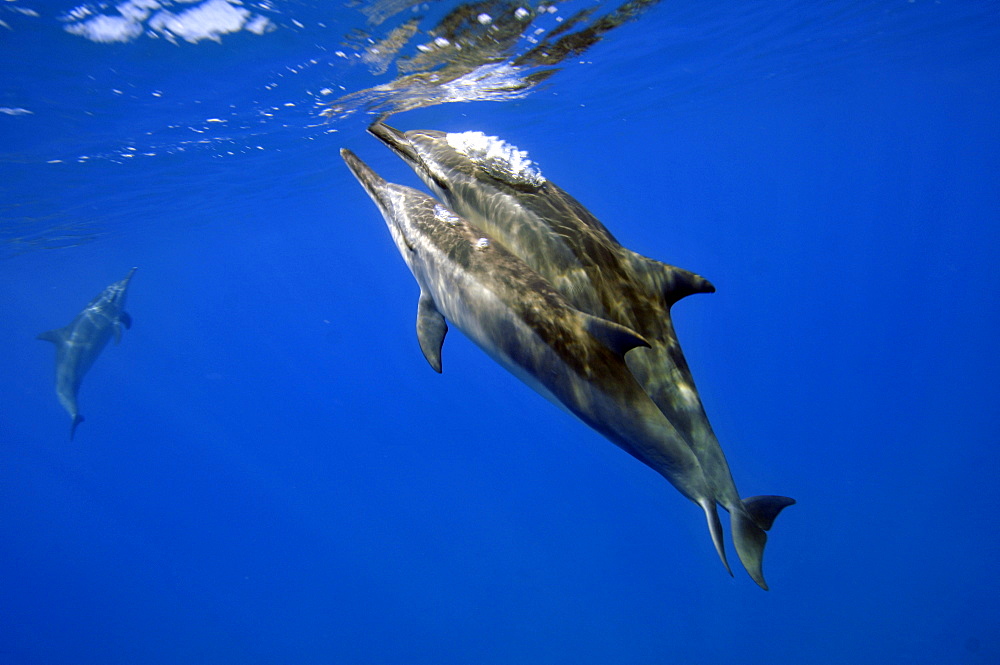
pixel 497 188
pixel 574 359
pixel 79 343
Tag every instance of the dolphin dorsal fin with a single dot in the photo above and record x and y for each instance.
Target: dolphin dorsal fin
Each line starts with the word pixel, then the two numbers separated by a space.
pixel 56 336
pixel 673 282
pixel 616 337
pixel 680 283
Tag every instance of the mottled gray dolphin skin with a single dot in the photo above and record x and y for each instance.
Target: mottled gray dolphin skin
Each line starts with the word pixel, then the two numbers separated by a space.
pixel 574 359
pixel 495 187
pixel 79 343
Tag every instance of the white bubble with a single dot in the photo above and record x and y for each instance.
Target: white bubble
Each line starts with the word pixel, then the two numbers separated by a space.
pixel 497 157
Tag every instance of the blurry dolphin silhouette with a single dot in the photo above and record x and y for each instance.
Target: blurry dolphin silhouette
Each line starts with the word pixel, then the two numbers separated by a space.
pixel 574 359
pixel 495 187
pixel 79 343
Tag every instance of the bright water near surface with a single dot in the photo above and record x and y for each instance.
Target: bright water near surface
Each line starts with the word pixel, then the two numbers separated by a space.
pixel 269 472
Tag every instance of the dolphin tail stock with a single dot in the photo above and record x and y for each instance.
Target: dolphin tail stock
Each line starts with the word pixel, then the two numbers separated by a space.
pixel 749 522
pixel 715 528
pixel 77 419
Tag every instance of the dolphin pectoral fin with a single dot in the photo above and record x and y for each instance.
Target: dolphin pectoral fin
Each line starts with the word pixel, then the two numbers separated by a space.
pixel 431 329
pixel 616 337
pixel 124 321
pixel 77 419
pixel 715 528
pixel 56 336
pixel 749 525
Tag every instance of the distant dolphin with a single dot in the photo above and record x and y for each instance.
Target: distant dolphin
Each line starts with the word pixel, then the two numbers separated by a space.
pixel 570 357
pixel 495 187
pixel 79 343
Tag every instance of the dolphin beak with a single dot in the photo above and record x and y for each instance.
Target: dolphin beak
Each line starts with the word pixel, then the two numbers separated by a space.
pixel 128 277
pixel 396 140
pixel 373 183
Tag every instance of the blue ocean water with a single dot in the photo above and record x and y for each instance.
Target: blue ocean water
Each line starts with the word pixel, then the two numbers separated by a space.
pixel 269 471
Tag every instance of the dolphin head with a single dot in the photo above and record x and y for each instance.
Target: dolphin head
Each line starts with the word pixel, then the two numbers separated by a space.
pixel 393 201
pixel 114 295
pixel 128 278
pixel 428 154
pixel 445 161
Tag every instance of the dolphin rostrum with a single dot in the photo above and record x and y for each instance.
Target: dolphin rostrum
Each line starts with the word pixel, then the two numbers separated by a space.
pixel 79 343
pixel 495 187
pixel 574 359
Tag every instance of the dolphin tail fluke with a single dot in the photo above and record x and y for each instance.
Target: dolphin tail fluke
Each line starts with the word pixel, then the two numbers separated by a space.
pixel 749 526
pixel 715 528
pixel 763 509
pixel 77 419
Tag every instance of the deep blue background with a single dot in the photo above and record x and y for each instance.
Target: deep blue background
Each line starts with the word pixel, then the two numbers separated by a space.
pixel 270 473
